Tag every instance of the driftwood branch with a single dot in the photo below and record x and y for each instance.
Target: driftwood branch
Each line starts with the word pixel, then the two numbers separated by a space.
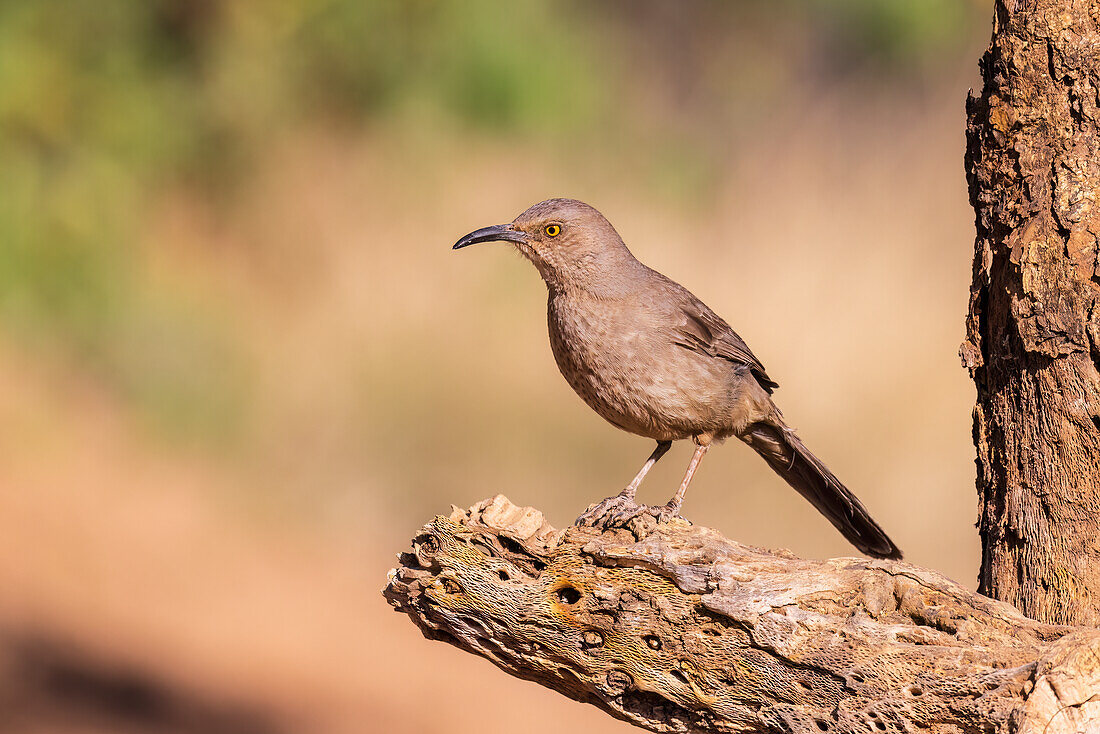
pixel 675 628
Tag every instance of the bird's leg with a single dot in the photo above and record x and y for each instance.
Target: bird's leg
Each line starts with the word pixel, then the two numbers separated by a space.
pixel 672 509
pixel 632 488
pixel 623 503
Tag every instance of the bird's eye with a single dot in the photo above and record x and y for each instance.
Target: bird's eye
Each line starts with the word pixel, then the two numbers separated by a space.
pixel 552 230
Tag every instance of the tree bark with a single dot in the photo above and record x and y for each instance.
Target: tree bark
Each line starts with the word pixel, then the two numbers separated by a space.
pixel 675 628
pixel 1033 332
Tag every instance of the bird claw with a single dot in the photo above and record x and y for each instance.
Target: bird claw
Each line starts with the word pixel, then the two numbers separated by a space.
pixel 664 513
pixel 619 510
pixel 613 511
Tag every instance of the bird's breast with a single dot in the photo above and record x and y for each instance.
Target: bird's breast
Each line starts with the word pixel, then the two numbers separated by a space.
pixel 623 365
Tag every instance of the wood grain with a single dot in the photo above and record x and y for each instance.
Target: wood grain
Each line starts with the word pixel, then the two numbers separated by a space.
pixel 675 628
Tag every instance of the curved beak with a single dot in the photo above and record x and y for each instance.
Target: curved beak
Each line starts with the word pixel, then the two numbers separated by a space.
pixel 496 233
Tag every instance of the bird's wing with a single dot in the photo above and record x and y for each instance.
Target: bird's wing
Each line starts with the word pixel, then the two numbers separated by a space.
pixel 701 330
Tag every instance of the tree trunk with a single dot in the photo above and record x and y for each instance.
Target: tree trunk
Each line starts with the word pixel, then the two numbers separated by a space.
pixel 1033 332
pixel 675 628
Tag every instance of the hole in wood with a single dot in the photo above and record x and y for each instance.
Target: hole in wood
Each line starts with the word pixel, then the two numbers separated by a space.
pixel 568 595
pixel 653 641
pixel 425 548
pixel 482 546
pixel 520 557
pixel 915 690
pixel 822 725
pixel 618 682
pixel 427 543
pixel 679 676
pixel 504 575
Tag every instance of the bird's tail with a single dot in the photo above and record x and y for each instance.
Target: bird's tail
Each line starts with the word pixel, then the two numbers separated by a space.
pixel 790 459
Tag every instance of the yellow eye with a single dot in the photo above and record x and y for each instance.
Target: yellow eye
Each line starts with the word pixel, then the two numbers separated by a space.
pixel 552 230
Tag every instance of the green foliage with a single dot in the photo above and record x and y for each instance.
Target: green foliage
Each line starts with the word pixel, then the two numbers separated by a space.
pixel 95 109
pixel 897 33
pixel 500 65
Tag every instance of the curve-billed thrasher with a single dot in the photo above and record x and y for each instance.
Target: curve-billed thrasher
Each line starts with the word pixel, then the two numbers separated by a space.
pixel 652 359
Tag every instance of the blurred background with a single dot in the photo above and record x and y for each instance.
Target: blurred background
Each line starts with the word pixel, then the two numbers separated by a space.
pixel 240 366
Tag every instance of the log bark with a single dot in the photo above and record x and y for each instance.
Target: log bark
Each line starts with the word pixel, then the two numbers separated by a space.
pixel 675 628
pixel 1033 330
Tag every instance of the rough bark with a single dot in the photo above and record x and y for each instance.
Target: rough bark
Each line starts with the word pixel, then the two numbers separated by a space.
pixel 1033 331
pixel 675 628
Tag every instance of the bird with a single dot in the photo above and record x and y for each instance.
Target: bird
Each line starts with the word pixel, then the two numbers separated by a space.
pixel 652 359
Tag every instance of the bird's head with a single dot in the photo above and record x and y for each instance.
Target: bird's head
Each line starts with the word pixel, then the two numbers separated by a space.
pixel 568 241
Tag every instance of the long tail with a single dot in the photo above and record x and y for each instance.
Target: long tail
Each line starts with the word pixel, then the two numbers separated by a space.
pixel 790 459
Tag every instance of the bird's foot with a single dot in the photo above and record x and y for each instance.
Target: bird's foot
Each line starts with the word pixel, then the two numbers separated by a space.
pixel 665 513
pixel 620 510
pixel 613 511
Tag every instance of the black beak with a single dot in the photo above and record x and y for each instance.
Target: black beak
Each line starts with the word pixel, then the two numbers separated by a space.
pixel 496 233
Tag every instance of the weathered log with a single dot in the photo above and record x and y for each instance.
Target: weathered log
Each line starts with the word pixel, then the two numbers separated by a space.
pixel 675 628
